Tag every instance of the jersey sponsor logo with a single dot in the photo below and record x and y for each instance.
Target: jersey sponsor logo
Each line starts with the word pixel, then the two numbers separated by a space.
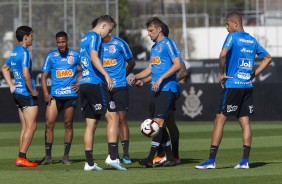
pixel 13 63
pixel 245 63
pixel 246 41
pixel 192 106
pixel 242 75
pixel 112 49
pixel 243 83
pixel 63 91
pixel 70 60
pixel 64 73
pixel 109 62
pixel 56 53
pixel 246 50
pixel 14 54
pixel 156 60
pixel 232 108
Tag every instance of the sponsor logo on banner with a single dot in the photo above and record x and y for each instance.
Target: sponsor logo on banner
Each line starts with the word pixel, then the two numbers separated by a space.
pixel 192 106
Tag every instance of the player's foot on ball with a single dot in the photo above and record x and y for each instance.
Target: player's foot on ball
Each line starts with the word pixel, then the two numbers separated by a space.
pixel 47 160
pixel 145 162
pixel 24 162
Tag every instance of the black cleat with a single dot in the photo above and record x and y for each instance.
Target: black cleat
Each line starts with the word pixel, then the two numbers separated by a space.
pixel 145 162
pixel 168 163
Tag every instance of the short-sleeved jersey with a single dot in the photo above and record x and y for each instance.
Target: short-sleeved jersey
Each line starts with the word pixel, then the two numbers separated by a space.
pixel 161 57
pixel 63 72
pixel 116 53
pixel 18 60
pixel 90 42
pixel 242 49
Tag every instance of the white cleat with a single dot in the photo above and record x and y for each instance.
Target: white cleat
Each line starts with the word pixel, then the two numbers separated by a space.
pixel 95 167
pixel 114 163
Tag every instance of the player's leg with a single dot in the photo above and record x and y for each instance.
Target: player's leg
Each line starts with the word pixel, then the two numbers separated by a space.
pixel 51 116
pixel 174 134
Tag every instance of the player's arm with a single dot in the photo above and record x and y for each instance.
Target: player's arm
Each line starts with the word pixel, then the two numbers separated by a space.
pixel 98 65
pixel 222 61
pixel 144 73
pixel 130 65
pixel 173 69
pixel 7 75
pixel 76 86
pixel 27 80
pixel 182 73
pixel 141 82
pixel 47 97
pixel 264 63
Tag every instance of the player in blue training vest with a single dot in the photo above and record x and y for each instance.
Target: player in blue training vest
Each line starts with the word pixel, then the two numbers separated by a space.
pixel 118 61
pixel 164 63
pixel 236 64
pixel 62 63
pixel 24 91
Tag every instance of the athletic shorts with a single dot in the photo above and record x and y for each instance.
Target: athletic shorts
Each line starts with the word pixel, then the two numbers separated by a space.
pixel 25 101
pixel 120 97
pixel 63 103
pixel 173 105
pixel 161 104
pixel 236 102
pixel 95 100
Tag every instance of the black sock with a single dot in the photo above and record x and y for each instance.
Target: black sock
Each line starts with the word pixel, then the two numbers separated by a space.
pixel 174 136
pixel 175 147
pixel 67 148
pixel 213 151
pixel 167 145
pixel 155 144
pixel 48 149
pixel 125 146
pixel 246 152
pixel 89 157
pixel 22 155
pixel 161 152
pixel 113 150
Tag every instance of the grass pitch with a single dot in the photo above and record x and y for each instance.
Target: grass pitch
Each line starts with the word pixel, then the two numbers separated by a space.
pixel 265 158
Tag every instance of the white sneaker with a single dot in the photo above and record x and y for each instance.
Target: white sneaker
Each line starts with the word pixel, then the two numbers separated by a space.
pixel 114 163
pixel 95 167
pixel 242 166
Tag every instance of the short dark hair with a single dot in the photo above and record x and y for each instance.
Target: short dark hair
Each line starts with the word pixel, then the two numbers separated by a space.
pixel 23 31
pixel 235 16
pixel 154 21
pixel 165 30
pixel 62 34
pixel 103 18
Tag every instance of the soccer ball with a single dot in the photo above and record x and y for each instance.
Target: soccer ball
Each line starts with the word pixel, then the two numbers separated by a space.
pixel 149 128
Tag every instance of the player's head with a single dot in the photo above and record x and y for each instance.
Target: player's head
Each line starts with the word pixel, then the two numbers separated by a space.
pixel 62 41
pixel 103 25
pixel 154 28
pixel 234 22
pixel 24 34
pixel 165 30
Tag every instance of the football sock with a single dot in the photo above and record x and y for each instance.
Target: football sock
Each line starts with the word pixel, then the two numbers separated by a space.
pixel 167 148
pixel 213 151
pixel 125 145
pixel 246 152
pixel 174 136
pixel 67 148
pixel 155 144
pixel 161 152
pixel 22 155
pixel 113 150
pixel 48 148
pixel 89 157
pixel 175 147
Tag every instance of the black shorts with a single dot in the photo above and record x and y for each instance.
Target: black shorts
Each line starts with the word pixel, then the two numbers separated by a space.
pixel 120 97
pixel 236 102
pixel 176 97
pixel 25 101
pixel 94 100
pixel 161 104
pixel 63 103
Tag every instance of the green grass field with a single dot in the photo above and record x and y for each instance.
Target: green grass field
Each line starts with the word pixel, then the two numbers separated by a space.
pixel 265 159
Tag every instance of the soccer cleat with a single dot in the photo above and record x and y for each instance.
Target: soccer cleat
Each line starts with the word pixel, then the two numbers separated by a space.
pixel 209 164
pixel 159 159
pixel 244 164
pixel 66 160
pixel 114 163
pixel 177 161
pixel 95 167
pixel 168 163
pixel 126 160
pixel 47 160
pixel 24 162
pixel 145 162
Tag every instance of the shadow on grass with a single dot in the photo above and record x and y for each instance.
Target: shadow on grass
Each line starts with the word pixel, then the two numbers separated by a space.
pixel 252 165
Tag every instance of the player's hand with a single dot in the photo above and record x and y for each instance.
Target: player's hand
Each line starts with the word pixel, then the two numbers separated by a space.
pixel 131 80
pixel 139 83
pixel 157 84
pixel 34 93
pixel 223 79
pixel 12 88
pixel 75 87
pixel 48 99
pixel 109 83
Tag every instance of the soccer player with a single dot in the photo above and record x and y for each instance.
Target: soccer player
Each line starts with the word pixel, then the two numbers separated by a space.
pixel 62 63
pixel 118 61
pixel 164 63
pixel 236 64
pixel 94 86
pixel 23 91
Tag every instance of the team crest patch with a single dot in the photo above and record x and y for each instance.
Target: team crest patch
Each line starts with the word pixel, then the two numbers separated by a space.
pixel 159 49
pixel 70 60
pixel 112 105
pixel 192 106
pixel 112 49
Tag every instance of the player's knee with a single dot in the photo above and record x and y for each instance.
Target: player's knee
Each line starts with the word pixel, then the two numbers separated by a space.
pixel 68 124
